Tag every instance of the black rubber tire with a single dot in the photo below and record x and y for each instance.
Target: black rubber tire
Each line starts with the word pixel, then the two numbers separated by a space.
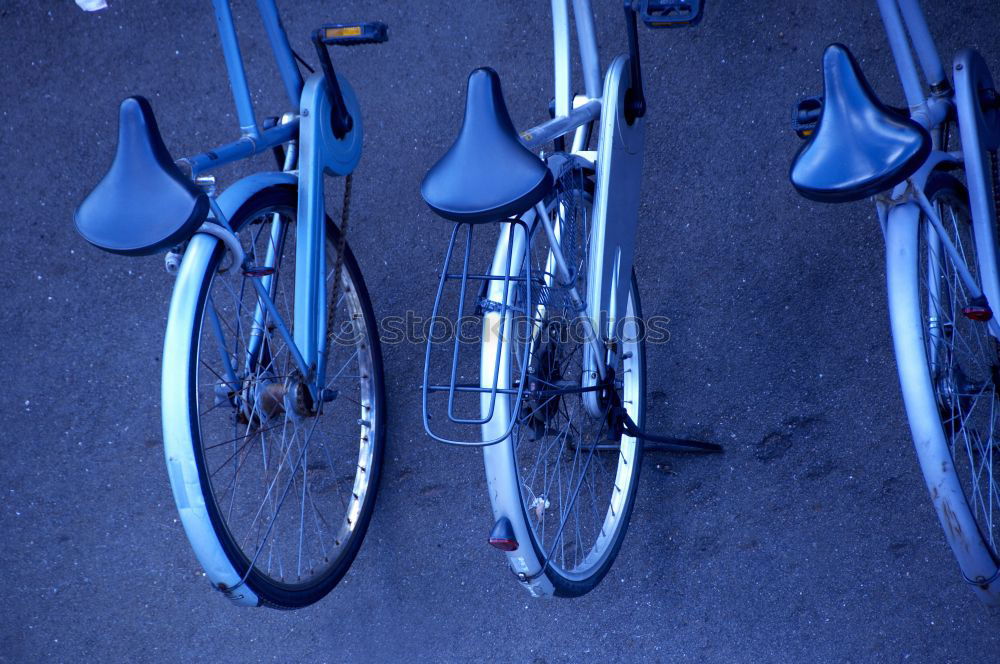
pixel 565 587
pixel 270 594
pixel 947 185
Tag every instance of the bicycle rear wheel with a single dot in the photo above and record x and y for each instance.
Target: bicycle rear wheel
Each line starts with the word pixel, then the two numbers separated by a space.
pixel 576 481
pixel 275 491
pixel 953 397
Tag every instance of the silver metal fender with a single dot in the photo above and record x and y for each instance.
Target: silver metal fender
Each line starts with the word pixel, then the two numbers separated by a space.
pixel 906 318
pixel 178 440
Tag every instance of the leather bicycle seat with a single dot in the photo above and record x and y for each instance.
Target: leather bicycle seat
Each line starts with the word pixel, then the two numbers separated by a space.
pixel 144 204
pixel 487 174
pixel 860 147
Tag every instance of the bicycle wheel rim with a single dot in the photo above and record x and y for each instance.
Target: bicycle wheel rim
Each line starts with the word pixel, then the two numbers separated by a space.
pixel 555 474
pixel 613 499
pixel 336 538
pixel 963 360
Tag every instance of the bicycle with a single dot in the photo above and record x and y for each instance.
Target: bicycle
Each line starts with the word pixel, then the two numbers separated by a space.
pixel 941 256
pixel 559 407
pixel 274 505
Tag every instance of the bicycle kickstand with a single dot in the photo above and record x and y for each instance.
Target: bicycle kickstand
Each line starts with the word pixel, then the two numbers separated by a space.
pixel 622 422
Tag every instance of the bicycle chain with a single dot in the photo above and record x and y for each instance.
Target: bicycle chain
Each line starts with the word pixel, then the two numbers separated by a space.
pixel 995 167
pixel 341 244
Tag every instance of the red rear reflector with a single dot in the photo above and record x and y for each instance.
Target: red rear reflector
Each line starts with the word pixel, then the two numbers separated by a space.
pixel 981 314
pixel 503 544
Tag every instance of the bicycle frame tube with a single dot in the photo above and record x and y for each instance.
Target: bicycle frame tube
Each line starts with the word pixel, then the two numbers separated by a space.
pixel 234 64
pixel 587 39
pixel 243 148
pixel 252 140
pixel 234 60
pixel 923 44
pixel 560 50
pixel 580 116
pixel 899 18
pixel 587 42
pixel 282 50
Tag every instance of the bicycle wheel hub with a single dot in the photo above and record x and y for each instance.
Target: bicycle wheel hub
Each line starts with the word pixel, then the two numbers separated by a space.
pixel 272 399
pixel 544 401
pixel 302 401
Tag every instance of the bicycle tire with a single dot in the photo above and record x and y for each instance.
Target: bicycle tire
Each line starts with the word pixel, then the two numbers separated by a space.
pixel 938 374
pixel 591 561
pixel 264 396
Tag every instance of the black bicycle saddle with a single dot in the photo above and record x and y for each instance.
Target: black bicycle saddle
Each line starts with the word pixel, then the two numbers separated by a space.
pixel 860 147
pixel 487 174
pixel 144 204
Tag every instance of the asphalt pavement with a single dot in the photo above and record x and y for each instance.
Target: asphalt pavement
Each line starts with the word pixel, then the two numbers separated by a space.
pixel 811 540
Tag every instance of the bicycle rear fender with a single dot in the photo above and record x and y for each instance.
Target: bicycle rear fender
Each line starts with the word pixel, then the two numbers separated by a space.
pixel 177 435
pixel 181 465
pixel 906 317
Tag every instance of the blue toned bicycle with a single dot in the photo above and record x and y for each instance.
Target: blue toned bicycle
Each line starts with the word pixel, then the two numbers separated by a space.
pixel 273 396
pixel 934 172
pixel 560 400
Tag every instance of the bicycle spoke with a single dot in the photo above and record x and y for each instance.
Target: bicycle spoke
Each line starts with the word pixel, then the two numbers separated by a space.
pixel 964 362
pixel 282 469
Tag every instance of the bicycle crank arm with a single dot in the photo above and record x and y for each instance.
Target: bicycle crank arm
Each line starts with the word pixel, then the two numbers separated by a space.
pixel 343 34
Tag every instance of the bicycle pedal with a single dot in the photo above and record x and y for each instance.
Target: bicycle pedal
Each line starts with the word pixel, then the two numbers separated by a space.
pixel 805 116
pixel 353 34
pixel 671 13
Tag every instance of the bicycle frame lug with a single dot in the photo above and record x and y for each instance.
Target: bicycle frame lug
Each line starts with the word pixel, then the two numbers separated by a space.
pixel 206 183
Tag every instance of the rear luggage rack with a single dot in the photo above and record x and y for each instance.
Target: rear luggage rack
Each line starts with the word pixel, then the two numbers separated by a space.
pixel 532 286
